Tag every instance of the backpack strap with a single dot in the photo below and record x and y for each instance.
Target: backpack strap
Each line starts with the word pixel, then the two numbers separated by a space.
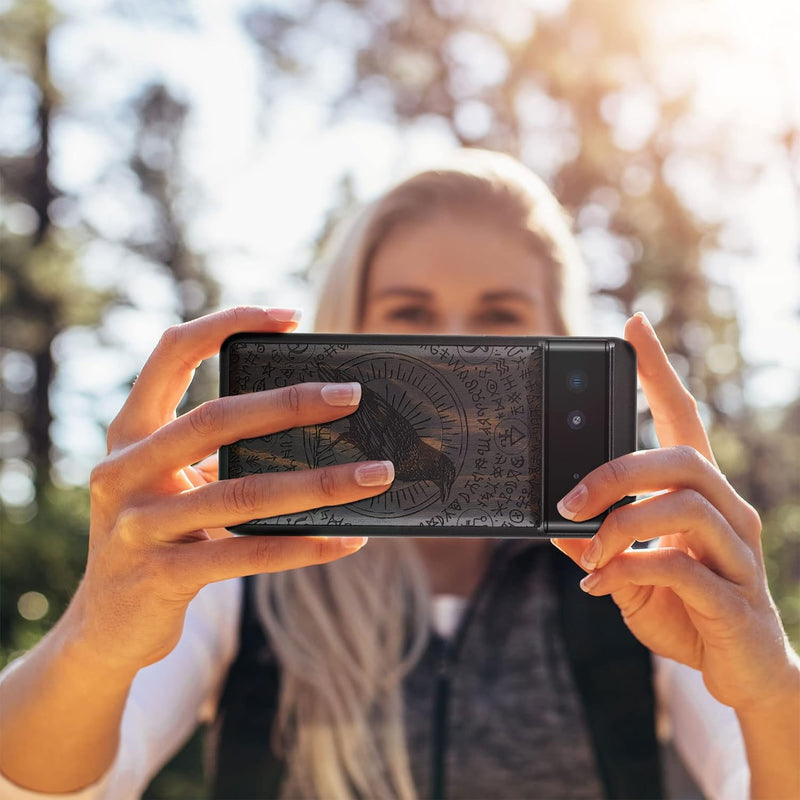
pixel 239 760
pixel 613 673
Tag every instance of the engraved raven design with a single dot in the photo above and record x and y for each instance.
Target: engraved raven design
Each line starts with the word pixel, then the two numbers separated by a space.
pixel 379 431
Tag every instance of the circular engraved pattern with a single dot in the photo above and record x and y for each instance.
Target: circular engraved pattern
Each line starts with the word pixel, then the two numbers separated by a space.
pixel 511 435
pixel 415 404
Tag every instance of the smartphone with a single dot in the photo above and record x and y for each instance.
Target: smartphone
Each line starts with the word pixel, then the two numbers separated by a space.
pixel 486 433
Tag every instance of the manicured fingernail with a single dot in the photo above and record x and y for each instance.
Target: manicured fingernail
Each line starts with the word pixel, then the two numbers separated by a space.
pixel 591 556
pixel 572 502
pixel 590 581
pixel 644 319
pixel 353 542
pixel 341 394
pixel 285 314
pixel 377 474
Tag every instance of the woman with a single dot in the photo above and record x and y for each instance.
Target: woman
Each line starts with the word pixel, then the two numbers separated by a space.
pixel 344 646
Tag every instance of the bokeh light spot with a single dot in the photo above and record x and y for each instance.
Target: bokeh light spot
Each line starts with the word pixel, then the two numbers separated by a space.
pixel 32 605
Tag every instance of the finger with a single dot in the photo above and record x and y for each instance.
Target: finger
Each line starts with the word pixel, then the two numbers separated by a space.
pixel 646 471
pixel 674 410
pixel 207 471
pixel 699 587
pixel 666 627
pixel 208 468
pixel 709 535
pixel 239 500
pixel 169 369
pixel 199 563
pixel 204 429
pixel 204 471
pixel 574 548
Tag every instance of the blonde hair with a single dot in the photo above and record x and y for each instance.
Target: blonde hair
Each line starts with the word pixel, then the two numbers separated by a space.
pixel 346 633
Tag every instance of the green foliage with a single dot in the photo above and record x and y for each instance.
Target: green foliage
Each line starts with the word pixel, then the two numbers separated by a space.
pixel 43 553
pixel 781 542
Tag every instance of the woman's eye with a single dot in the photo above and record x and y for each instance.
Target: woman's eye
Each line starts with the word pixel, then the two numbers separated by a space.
pixel 500 316
pixel 410 314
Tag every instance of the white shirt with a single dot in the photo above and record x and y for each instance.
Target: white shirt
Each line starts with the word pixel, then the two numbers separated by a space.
pixel 170 698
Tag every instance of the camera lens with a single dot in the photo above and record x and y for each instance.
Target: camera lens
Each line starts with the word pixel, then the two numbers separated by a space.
pixel 576 420
pixel 577 380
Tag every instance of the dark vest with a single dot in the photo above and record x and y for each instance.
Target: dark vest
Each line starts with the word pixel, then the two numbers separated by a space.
pixel 611 673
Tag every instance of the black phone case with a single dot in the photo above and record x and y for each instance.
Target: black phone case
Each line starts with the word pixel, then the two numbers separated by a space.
pixel 462 418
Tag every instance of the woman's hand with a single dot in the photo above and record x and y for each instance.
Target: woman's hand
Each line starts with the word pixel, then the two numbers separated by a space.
pixel 157 532
pixel 700 596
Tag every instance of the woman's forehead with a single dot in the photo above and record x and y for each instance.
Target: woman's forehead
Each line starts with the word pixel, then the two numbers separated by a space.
pixel 425 259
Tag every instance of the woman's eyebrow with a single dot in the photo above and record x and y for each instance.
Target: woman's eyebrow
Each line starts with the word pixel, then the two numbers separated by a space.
pixel 511 294
pixel 403 291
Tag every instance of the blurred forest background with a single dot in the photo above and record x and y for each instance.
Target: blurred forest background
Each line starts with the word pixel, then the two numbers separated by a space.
pixel 162 159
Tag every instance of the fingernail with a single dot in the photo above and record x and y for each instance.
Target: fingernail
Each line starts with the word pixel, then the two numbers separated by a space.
pixel 572 502
pixel 376 474
pixel 341 394
pixel 353 542
pixel 591 556
pixel 644 319
pixel 590 581
pixel 285 314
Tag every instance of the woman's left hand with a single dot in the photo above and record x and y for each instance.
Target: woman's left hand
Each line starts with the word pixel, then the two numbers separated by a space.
pixel 700 596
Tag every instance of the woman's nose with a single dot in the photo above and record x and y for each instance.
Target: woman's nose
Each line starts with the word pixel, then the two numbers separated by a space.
pixel 457 323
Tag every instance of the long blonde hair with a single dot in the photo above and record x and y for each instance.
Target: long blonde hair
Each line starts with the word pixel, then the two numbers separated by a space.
pixel 346 633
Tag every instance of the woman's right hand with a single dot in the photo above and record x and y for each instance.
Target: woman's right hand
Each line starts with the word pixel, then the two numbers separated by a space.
pixel 150 550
